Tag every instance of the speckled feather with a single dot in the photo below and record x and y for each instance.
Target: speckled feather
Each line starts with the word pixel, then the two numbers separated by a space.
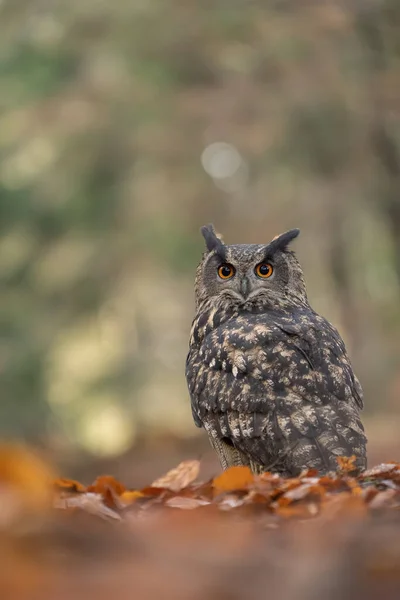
pixel 269 379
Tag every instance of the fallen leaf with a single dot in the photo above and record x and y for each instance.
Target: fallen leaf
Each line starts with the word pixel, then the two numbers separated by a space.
pixel 180 477
pixel 154 491
pixel 389 483
pixel 268 477
pixel 380 470
pixel 257 497
pixel 309 473
pixel 26 484
pixel 230 501
pixel 304 491
pixel 185 502
pixel 284 486
pixel 347 464
pixel 234 478
pixel 385 499
pixel 69 485
pixel 90 503
pixel 130 496
pixel 104 483
pixel 356 490
pixel 333 484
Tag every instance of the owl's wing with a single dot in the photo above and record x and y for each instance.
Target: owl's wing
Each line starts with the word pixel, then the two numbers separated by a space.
pixel 280 389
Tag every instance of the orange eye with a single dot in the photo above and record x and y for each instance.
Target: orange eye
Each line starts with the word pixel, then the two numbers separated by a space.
pixel 264 270
pixel 226 271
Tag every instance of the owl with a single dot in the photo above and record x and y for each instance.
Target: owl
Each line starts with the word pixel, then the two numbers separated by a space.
pixel 269 379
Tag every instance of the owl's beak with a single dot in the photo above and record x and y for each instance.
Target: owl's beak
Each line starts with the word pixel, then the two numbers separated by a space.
pixel 244 287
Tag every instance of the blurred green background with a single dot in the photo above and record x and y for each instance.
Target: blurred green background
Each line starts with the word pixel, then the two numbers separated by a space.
pixel 124 127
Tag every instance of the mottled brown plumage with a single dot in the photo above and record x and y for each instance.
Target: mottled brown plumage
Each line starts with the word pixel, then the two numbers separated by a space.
pixel 269 379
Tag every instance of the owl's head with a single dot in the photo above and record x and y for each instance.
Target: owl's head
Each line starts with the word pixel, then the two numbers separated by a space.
pixel 250 275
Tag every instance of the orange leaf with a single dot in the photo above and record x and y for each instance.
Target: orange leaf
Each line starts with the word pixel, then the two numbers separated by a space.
pixel 234 478
pixel 104 484
pixel 26 486
pixel 130 496
pixel 347 464
pixel 333 483
pixel 69 485
pixel 180 477
pixel 309 473
pixel 26 475
pixel 356 490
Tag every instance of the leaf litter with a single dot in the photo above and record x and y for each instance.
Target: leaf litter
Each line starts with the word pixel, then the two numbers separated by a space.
pixel 233 536
pixel 304 496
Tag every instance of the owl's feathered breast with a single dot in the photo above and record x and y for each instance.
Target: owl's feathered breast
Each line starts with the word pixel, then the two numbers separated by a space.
pixel 266 373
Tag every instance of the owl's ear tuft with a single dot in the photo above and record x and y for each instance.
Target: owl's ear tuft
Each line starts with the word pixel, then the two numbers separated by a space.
pixel 281 242
pixel 213 240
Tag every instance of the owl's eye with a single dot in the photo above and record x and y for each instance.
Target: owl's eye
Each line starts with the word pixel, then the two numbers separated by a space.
pixel 264 270
pixel 226 271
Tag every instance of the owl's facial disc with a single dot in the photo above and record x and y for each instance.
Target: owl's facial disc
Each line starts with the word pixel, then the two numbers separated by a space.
pixel 250 274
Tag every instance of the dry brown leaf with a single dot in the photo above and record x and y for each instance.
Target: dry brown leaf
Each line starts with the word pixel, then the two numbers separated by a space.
pixel 105 483
pixel 180 477
pixel 155 491
pixel 394 485
pixel 234 478
pixel 257 497
pixel 268 477
pixel 229 501
pixel 304 491
pixel 284 486
pixel 333 484
pixel 384 499
pixel 309 473
pixel 90 503
pixel 185 502
pixel 24 479
pixel 381 470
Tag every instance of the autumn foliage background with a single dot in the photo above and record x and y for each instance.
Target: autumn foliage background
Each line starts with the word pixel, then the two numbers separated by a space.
pixel 124 127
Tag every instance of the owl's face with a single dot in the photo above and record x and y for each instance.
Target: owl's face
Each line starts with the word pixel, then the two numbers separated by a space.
pixel 250 274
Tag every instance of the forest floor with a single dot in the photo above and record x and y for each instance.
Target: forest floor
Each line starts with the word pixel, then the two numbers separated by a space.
pixel 195 532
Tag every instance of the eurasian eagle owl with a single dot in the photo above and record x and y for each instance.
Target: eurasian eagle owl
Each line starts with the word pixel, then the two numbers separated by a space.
pixel 269 379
